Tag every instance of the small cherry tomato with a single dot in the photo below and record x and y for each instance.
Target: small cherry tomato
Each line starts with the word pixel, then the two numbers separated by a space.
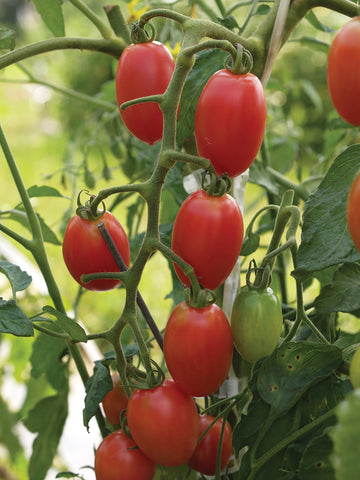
pixel 164 423
pixel 118 458
pixel 204 458
pixel 85 250
pixel 115 401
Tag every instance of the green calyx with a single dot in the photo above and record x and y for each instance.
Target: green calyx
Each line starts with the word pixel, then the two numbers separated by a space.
pixel 241 63
pixel 140 35
pixel 203 299
pixel 214 185
pixel 86 211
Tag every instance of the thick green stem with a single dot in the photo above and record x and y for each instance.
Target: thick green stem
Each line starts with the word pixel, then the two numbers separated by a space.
pixel 117 22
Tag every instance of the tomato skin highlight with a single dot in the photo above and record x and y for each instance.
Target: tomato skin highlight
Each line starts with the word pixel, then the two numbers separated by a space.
pixel 144 69
pixel 164 423
pixel 85 250
pixel 353 209
pixel 115 401
pixel 343 71
pixel 208 233
pixel 198 348
pixel 230 121
pixel 256 323
pixel 117 459
pixel 204 458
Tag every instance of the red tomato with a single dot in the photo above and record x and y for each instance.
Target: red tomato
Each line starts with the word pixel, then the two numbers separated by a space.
pixel 343 71
pixel 230 121
pixel 144 69
pixel 164 423
pixel 353 205
pixel 198 348
pixel 204 458
pixel 85 250
pixel 208 234
pixel 117 458
pixel 115 401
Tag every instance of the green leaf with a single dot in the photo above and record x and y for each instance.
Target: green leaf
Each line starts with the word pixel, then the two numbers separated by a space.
pixel 97 386
pixel 69 475
pixel 13 320
pixel 315 22
pixel 346 438
pixel 47 419
pixel 315 463
pixel 292 369
pixel 19 216
pixel 75 330
pixel 44 191
pixel 51 13
pixel 8 438
pixel 313 43
pixel 324 219
pixel 343 293
pixel 7 39
pixel 260 176
pixel 207 63
pixel 250 244
pixel 18 279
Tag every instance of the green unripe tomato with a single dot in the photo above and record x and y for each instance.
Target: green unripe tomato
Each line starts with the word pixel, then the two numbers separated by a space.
pixel 355 370
pixel 256 323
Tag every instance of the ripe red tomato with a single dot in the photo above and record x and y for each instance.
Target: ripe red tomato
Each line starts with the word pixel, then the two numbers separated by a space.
pixel 85 250
pixel 164 423
pixel 256 323
pixel 117 458
pixel 230 121
pixel 343 71
pixel 204 458
pixel 115 401
pixel 198 348
pixel 208 234
pixel 353 217
pixel 144 69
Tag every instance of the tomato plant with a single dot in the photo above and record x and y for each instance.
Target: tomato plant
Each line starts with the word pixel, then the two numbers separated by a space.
pixel 118 458
pixel 208 233
pixel 355 369
pixel 198 348
pixel 115 401
pixel 85 250
pixel 144 69
pixel 230 121
pixel 164 423
pixel 353 219
pixel 204 459
pixel 343 72
pixel 256 323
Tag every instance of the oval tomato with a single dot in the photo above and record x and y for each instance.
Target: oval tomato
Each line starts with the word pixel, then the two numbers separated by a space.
pixel 115 401
pixel 164 423
pixel 198 348
pixel 117 458
pixel 204 458
pixel 208 234
pixel 353 218
pixel 230 121
pixel 343 71
pixel 85 250
pixel 144 69
pixel 256 323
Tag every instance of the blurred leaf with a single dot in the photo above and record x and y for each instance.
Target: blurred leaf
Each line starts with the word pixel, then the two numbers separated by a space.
pixel 47 419
pixel 13 320
pixel 343 293
pixel 69 475
pixel 260 175
pixel 20 217
pixel 324 219
pixel 207 63
pixel 51 13
pixel 313 43
pixel 18 279
pixel 8 438
pixel 315 22
pixel 44 191
pixel 263 9
pixel 75 330
pixel 97 386
pixel 7 38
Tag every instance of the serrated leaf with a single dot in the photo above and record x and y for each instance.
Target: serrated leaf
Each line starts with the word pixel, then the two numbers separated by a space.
pixel 13 320
pixel 44 191
pixel 292 369
pixel 97 386
pixel 18 279
pixel 7 38
pixel 75 330
pixel 343 293
pixel 324 219
pixel 47 419
pixel 51 13
pixel 207 63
